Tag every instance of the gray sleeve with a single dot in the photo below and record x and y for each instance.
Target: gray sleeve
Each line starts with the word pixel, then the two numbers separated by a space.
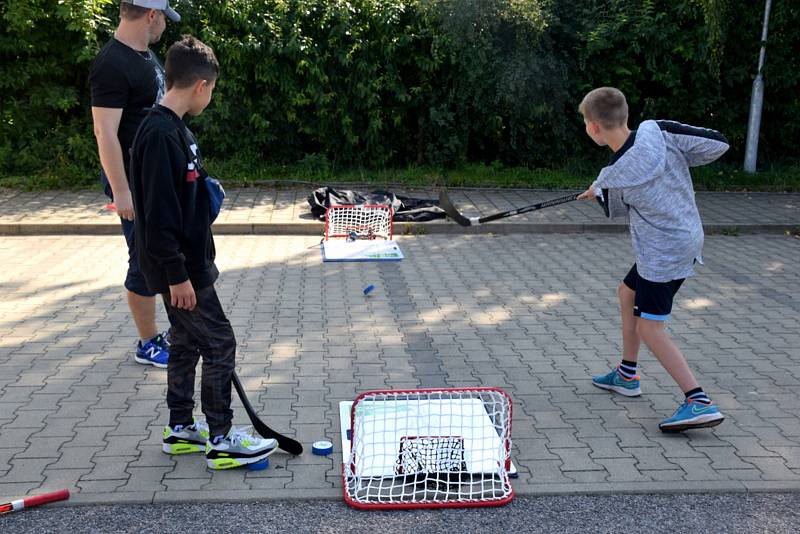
pixel 616 205
pixel 641 163
pixel 700 146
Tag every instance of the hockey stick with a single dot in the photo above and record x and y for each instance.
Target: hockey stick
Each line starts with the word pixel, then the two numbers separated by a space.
pixel 284 442
pixel 453 213
pixel 36 500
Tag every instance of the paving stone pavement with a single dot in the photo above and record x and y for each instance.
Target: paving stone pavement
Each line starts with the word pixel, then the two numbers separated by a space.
pixel 274 211
pixel 535 314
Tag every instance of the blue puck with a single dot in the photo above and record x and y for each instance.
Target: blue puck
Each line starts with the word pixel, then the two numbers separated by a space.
pixel 369 289
pixel 322 448
pixel 259 466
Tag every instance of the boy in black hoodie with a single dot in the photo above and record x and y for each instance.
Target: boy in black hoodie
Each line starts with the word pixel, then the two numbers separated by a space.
pixel 176 254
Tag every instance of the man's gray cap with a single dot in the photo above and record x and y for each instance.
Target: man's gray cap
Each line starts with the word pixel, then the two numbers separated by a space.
pixel 161 5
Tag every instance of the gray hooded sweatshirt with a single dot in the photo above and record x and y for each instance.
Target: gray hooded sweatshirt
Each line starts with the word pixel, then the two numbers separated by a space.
pixel 649 181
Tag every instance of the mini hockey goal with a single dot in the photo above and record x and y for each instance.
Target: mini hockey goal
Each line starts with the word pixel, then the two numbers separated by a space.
pixel 366 230
pixel 365 221
pixel 429 448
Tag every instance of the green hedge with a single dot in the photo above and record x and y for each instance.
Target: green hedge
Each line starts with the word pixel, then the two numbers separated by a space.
pixel 377 83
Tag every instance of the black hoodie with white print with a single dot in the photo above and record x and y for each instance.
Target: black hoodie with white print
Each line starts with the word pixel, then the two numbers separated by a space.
pixel 173 227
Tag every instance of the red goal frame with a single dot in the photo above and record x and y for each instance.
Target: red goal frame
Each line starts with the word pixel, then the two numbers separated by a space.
pixel 505 439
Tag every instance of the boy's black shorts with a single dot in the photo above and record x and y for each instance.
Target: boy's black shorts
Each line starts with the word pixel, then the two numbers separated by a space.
pixel 653 299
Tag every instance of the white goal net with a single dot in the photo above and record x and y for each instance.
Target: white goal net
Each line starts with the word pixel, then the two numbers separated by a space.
pixel 429 448
pixel 364 221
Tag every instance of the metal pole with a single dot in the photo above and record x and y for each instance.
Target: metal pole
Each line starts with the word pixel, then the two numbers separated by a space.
pixel 756 101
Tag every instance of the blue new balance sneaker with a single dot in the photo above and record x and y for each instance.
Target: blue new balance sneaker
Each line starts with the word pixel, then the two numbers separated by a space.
pixel 692 414
pixel 617 383
pixel 154 352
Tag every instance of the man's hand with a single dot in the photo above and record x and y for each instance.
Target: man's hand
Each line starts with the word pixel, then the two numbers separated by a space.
pixel 589 194
pixel 124 203
pixel 182 296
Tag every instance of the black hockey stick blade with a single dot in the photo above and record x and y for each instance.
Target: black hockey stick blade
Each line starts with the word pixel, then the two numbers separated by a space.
pixel 284 442
pixel 451 211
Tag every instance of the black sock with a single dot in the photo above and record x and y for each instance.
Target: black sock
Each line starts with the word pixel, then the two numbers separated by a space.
pixel 627 369
pixel 697 395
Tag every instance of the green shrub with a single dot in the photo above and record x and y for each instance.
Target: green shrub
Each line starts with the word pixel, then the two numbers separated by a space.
pixel 333 84
pixel 45 50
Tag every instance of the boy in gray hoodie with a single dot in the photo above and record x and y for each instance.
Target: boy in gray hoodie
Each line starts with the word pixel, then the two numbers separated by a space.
pixel 648 180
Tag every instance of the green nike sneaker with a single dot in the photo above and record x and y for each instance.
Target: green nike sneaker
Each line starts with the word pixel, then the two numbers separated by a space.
pixel 185 439
pixel 238 448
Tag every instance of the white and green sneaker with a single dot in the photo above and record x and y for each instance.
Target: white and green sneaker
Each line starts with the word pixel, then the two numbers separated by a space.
pixel 238 448
pixel 185 439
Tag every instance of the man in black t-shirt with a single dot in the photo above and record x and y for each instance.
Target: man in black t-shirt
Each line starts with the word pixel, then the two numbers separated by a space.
pixel 127 80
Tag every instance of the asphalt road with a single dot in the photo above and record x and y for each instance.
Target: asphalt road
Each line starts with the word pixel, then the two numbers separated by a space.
pixel 739 513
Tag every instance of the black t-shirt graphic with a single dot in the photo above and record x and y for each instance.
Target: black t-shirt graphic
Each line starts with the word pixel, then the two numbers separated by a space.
pixel 123 78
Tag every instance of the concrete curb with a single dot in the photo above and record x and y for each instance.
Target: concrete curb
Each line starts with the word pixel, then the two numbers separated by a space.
pixel 536 490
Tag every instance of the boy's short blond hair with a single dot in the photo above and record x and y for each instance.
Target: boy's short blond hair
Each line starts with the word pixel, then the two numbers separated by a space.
pixel 605 105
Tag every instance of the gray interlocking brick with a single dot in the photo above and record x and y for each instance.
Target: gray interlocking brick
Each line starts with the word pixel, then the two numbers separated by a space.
pixel 650 458
pixel 789 426
pixel 725 458
pixel 109 468
pixel 309 344
pixel 675 446
pixel 306 476
pixel 12 490
pixel 13 394
pixel 90 437
pixel 27 469
pixel 589 428
pixel 748 447
pixel 41 447
pixel 28 419
pixel 547 472
pixel 145 479
pixel 532 449
pixel 605 447
pixel 550 420
pixel 576 459
pixel 774 468
pixel 697 469
pixel 13 438
pixel 103 487
pixel 622 470
pixel 791 455
pixel 132 426
pixel 56 478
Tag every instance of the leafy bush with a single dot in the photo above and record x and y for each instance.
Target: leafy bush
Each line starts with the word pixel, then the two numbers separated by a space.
pixel 335 83
pixel 45 50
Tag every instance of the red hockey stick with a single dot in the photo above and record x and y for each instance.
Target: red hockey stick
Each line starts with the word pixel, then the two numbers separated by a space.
pixel 36 500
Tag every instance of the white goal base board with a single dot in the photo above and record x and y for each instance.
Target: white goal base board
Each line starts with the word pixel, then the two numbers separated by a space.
pixel 458 412
pixel 361 250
